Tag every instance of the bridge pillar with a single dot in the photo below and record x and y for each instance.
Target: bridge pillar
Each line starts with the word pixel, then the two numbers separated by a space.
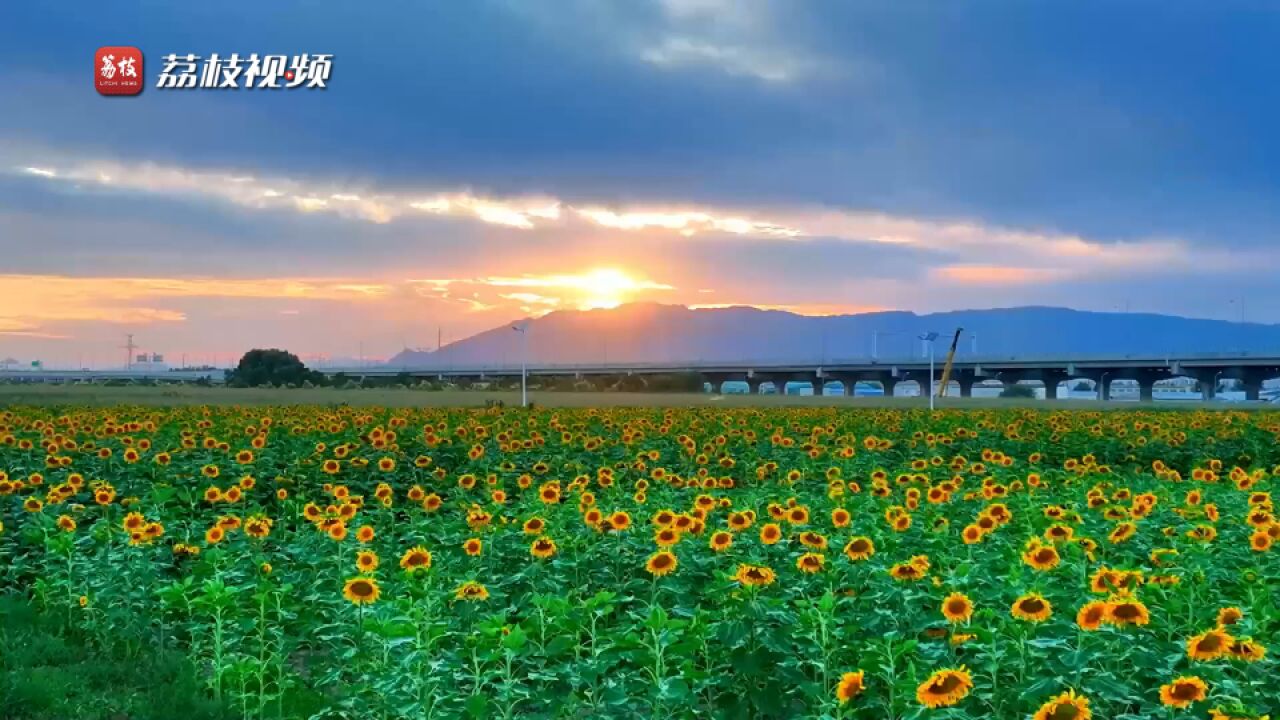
pixel 888 383
pixel 966 386
pixel 1251 381
pixel 1208 381
pixel 818 383
pixel 779 383
pixel 1051 380
pixel 1104 388
pixel 753 386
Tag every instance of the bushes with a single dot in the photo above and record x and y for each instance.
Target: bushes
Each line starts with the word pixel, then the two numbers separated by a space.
pixel 1018 391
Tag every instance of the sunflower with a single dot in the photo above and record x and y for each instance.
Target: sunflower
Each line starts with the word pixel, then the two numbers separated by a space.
pixel 721 540
pixel 1183 691
pixel 366 561
pixel 1260 541
pixel 1229 616
pixel 365 534
pixel 1248 650
pixel 471 591
pixel 1209 645
pixel 957 608
pixel 754 575
pixel 257 527
pixel 813 540
pixel 1067 706
pixel 798 515
pixel 619 521
pixel 770 534
pixel 361 590
pixel 415 558
pixel 945 688
pixel 1091 615
pixel 906 572
pixel 840 518
pixel 666 537
pixel 543 548
pixel 1125 609
pixel 66 523
pixel 1032 607
pixel 860 548
pixel 850 686
pixel 810 562
pixel 214 535
pixel 1041 557
pixel 534 526
pixel 473 547
pixel 661 563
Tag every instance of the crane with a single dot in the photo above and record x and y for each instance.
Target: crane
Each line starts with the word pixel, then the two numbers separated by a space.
pixel 946 369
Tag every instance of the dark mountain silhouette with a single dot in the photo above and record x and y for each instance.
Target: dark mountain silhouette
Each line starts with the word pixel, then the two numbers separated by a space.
pixel 649 332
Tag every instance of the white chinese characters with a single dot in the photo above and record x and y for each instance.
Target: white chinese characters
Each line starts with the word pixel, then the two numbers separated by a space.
pixel 110 67
pixel 248 72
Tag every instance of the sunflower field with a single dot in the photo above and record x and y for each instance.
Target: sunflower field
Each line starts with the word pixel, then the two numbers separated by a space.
pixel 340 562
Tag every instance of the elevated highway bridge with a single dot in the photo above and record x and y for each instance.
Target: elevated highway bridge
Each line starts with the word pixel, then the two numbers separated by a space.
pixel 1250 370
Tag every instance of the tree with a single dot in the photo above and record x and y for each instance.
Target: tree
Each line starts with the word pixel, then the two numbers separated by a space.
pixel 1018 391
pixel 272 367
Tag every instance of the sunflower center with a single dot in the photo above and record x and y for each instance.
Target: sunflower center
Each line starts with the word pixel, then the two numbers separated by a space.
pixel 945 685
pixel 1065 711
pixel 1032 605
pixel 361 588
pixel 1212 643
pixel 1185 691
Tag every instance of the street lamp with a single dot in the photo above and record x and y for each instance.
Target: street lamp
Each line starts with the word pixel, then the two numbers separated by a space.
pixel 929 338
pixel 524 367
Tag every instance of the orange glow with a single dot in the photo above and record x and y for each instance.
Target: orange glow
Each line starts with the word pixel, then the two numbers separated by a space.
pixel 993 274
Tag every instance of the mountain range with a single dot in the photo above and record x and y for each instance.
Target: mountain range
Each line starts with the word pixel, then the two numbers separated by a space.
pixel 651 332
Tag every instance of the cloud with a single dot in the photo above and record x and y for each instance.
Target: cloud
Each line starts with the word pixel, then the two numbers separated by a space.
pixel 34 302
pixel 994 275
pixel 954 241
pixel 737 37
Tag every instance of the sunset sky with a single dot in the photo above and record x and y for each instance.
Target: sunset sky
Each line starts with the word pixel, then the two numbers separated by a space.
pixel 472 163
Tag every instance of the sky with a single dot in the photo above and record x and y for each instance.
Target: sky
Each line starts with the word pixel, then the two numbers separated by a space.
pixel 470 164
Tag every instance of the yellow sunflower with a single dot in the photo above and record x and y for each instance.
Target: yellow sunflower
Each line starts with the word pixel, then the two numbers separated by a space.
pixel 851 685
pixel 1032 607
pixel 957 608
pixel 661 563
pixel 1067 706
pixel 361 590
pixel 415 558
pixel 471 591
pixel 945 688
pixel 1183 691
pixel 1209 645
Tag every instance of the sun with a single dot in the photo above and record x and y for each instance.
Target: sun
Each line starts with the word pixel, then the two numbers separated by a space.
pixel 605 288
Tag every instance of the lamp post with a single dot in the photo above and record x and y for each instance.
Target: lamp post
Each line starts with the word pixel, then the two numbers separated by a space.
pixel 928 338
pixel 524 367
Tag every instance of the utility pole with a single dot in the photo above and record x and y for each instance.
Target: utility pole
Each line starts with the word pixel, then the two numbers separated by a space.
pixel 129 347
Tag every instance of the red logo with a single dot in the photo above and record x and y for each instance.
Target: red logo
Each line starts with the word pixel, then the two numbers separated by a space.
pixel 118 70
